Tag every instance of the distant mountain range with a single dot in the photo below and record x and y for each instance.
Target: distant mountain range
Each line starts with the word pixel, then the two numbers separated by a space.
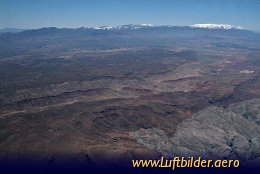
pixel 126 36
pixel 141 26
pixel 11 30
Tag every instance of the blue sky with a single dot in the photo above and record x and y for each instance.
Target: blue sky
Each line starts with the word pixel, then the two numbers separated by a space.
pixel 89 13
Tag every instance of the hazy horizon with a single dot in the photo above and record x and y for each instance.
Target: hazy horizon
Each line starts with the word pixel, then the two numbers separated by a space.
pixel 101 26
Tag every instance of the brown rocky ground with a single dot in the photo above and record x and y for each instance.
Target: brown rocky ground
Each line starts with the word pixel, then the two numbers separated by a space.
pixel 113 105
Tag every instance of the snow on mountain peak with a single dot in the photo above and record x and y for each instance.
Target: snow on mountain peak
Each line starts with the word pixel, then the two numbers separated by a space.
pixel 103 28
pixel 129 27
pixel 216 26
pixel 138 26
pixel 147 25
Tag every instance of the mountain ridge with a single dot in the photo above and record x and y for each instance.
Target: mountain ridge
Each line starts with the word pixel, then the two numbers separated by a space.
pixel 136 27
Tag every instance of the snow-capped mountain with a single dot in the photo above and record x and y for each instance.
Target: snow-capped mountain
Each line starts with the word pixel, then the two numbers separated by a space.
pixel 103 28
pixel 138 26
pixel 216 26
pixel 125 27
